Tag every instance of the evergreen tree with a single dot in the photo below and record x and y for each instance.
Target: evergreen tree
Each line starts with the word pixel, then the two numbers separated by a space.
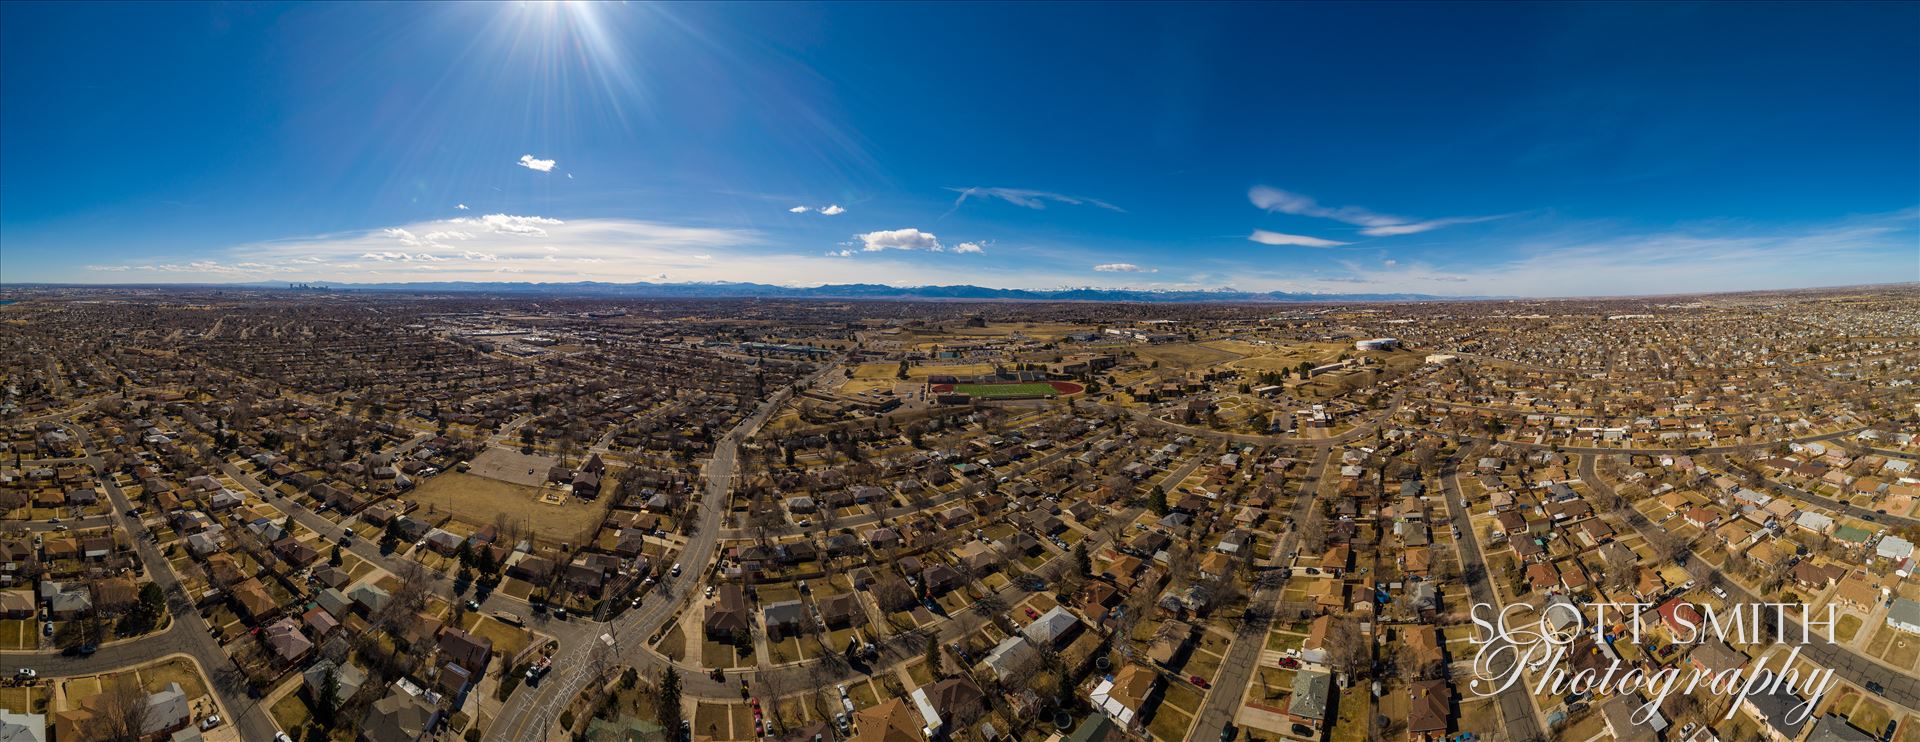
pixel 667 701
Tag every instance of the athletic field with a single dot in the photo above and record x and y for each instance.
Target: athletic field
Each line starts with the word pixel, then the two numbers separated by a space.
pixel 990 391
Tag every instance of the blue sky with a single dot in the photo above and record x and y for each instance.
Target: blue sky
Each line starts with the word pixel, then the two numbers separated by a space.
pixel 1497 149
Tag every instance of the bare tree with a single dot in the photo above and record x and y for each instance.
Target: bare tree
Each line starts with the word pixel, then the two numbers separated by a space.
pixel 121 713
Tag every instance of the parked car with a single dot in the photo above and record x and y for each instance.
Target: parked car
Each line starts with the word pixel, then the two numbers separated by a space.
pixel 1199 682
pixel 25 673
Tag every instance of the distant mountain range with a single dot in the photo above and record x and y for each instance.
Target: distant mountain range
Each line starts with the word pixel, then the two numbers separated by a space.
pixel 728 290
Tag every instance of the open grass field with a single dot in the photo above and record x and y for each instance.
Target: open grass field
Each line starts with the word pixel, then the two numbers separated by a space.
pixel 24 699
pixel 997 391
pixel 18 634
pixel 1288 357
pixel 290 712
pixel 477 500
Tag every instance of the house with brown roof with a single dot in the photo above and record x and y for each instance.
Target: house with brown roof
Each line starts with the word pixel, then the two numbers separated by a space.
pixel 254 602
pixel 1428 706
pixel 728 617
pixel 892 721
pixel 467 650
pixel 1126 697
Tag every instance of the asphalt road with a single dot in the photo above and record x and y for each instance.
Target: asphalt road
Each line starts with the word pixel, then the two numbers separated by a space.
pixel 1518 715
pixel 1822 500
pixel 189 634
pixel 1243 656
pixel 1900 688
pixel 529 711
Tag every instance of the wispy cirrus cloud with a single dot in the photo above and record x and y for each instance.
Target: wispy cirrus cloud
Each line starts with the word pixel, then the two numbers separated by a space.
pixel 1265 237
pixel 1123 268
pixel 1372 223
pixel 1600 259
pixel 828 210
pixel 1028 198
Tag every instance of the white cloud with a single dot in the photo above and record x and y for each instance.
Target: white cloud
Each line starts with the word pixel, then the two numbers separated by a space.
pixel 1123 268
pixel 899 239
pixel 1418 227
pixel 462 207
pixel 798 210
pixel 839 253
pixel 533 163
pixel 208 269
pixel 1597 260
pixel 969 247
pixel 531 226
pixel 405 237
pixel 833 210
pixel 1287 202
pixel 1265 237
pixel 1374 224
pixel 401 257
pixel 1028 198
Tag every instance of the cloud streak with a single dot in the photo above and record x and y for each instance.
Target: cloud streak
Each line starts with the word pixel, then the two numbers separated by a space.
pixel 1027 198
pixel 1123 268
pixel 1265 237
pixel 1372 223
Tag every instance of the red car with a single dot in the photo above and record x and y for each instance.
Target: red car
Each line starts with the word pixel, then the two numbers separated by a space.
pixel 1289 663
pixel 1031 613
pixel 1197 681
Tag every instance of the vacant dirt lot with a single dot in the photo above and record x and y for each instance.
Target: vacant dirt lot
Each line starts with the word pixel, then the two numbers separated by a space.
pixel 476 500
pixel 1185 355
pixel 510 465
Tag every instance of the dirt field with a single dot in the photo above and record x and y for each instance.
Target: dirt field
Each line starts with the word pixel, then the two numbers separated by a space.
pixel 509 465
pixel 956 331
pixel 871 376
pixel 476 500
pixel 1185 355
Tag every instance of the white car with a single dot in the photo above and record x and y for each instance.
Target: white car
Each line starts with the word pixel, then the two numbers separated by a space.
pixel 210 722
pixel 26 673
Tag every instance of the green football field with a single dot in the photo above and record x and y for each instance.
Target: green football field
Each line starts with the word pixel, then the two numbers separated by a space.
pixel 1005 390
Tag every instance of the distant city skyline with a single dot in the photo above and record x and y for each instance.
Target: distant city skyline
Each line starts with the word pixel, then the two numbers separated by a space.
pixel 1438 149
